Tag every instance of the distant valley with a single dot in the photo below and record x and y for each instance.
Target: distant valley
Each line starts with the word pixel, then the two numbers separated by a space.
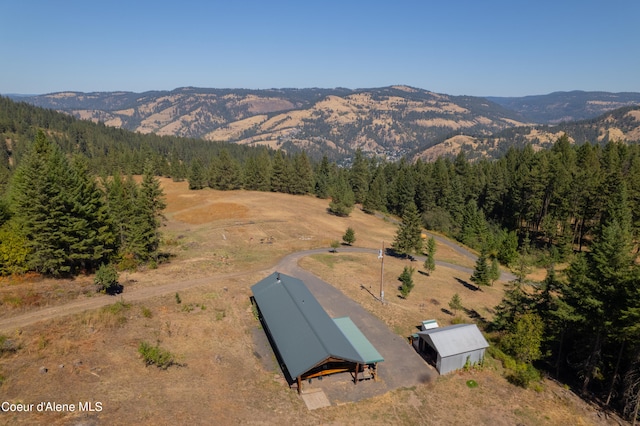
pixel 391 121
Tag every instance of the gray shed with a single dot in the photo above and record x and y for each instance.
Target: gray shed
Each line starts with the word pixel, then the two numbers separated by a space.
pixel 307 342
pixel 452 347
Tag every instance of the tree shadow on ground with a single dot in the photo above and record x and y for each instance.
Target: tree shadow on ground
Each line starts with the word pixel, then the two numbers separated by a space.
pixel 393 253
pixel 467 285
pixel 115 289
pixel 475 315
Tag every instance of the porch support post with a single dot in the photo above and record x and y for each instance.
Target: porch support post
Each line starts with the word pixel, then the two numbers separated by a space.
pixel 357 369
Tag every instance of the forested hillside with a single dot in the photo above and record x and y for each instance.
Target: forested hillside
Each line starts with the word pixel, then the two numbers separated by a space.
pixel 622 124
pixel 559 107
pixel 106 149
pixel 68 205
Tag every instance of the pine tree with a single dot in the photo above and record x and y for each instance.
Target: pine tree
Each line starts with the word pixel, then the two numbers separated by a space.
pixel 39 198
pixel 323 179
pixel 121 196
pixel 481 272
pixel 148 207
pixel 508 248
pixel 302 181
pixel 359 177
pixel 407 281
pixel 177 169
pixel 342 198
pixel 376 195
pixel 403 190
pixel 494 271
pixel 349 236
pixel 408 238
pixel 474 229
pixel 430 262
pixel 257 172
pixel 89 224
pixel 196 176
pixel 515 302
pixel 281 173
pixel 455 303
pixel 228 174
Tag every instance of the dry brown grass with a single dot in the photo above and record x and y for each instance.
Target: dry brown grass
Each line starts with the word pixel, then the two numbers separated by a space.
pixel 429 299
pixel 93 356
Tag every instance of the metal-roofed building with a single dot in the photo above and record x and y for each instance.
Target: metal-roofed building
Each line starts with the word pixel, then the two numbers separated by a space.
pixel 452 347
pixel 306 341
pixel 362 345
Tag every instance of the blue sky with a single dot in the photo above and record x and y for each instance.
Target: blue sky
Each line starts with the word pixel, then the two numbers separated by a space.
pixel 479 48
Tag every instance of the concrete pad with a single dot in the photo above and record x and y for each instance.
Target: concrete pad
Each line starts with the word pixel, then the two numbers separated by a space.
pixel 315 398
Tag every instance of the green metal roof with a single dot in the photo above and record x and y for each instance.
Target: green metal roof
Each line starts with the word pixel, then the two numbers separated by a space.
pixel 301 329
pixel 359 341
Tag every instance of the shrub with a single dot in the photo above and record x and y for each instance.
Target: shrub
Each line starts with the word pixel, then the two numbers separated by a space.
pixel 107 279
pixel 523 375
pixel 7 346
pixel 13 250
pixel 518 373
pixel 154 355
pixel 507 361
pixel 117 308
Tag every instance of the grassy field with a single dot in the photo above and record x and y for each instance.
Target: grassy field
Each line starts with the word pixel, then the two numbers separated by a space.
pixel 228 241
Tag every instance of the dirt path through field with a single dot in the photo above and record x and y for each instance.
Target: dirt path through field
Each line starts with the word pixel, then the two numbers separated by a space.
pixel 288 262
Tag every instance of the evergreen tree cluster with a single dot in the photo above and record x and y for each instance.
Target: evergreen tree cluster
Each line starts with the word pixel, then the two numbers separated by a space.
pixel 60 221
pixel 582 325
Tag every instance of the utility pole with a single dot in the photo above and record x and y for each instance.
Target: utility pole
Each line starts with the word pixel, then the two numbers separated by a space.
pixel 381 257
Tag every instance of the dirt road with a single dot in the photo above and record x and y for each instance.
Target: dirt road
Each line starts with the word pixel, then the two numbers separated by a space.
pixel 289 263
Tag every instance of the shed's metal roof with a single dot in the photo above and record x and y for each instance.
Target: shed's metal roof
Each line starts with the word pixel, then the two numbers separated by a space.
pixel 302 331
pixel 359 341
pixel 455 339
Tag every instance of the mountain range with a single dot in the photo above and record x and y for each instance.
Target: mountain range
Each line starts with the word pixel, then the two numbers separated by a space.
pixel 390 121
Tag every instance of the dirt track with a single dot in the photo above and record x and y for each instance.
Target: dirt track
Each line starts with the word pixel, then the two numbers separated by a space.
pixel 289 262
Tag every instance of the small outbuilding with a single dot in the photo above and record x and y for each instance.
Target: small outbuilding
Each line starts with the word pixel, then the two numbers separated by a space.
pixel 451 348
